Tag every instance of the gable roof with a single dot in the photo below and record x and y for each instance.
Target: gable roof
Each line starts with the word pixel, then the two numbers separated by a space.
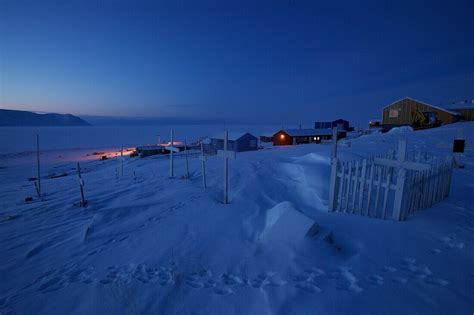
pixel 306 132
pixel 437 107
pixel 232 136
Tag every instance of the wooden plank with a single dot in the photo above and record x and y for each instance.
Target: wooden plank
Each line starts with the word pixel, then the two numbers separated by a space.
pixel 356 185
pixel 387 191
pixel 362 185
pixel 348 187
pixel 369 195
pixel 333 185
pixel 406 164
pixel 378 185
pixel 341 187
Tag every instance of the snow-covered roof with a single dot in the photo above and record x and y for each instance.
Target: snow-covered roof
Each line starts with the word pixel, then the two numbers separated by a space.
pixel 307 132
pixel 460 105
pixel 437 107
pixel 233 136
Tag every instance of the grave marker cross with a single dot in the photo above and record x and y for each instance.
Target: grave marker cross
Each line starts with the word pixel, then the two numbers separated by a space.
pixel 402 165
pixel 226 155
pixel 203 159
pixel 172 149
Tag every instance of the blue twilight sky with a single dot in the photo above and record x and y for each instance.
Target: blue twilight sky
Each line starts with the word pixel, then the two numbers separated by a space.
pixel 246 61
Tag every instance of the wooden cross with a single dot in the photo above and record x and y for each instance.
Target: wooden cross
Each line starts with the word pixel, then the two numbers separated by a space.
pixel 83 202
pixel 172 149
pixel 203 159
pixel 402 165
pixel 226 155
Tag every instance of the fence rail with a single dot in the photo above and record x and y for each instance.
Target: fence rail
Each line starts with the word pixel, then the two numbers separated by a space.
pixel 390 186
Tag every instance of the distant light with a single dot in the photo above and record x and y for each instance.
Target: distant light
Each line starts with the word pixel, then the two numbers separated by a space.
pixel 317 138
pixel 314 138
pixel 282 136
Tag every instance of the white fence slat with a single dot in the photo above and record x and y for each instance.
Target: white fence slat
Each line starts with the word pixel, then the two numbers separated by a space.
pixel 371 182
pixel 348 187
pixel 379 184
pixel 341 187
pixel 356 185
pixel 333 185
pixel 362 185
pixel 387 191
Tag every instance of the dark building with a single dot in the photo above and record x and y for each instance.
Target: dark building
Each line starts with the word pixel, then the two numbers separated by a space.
pixel 341 124
pixel 238 142
pixel 301 136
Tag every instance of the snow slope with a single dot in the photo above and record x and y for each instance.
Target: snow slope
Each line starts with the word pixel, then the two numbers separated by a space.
pixel 150 244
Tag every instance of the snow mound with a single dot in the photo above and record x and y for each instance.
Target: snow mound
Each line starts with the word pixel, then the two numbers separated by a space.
pixel 400 130
pixel 285 224
pixel 312 158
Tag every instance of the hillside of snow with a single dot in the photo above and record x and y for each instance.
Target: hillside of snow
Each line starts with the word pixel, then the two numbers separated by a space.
pixel 147 243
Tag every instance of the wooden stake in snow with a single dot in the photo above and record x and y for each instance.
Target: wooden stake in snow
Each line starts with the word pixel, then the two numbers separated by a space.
pixel 81 186
pixel 186 159
pixel 334 144
pixel 121 158
pixel 172 149
pixel 38 186
pixel 203 159
pixel 226 155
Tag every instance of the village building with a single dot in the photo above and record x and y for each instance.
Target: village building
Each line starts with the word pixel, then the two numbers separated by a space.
pixel 301 136
pixel 465 108
pixel 419 115
pixel 341 124
pixel 237 141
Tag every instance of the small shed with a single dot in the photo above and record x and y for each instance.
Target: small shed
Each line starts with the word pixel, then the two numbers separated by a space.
pixel 401 113
pixel 237 141
pixel 301 136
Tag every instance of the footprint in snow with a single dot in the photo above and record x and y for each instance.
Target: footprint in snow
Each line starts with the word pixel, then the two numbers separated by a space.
pixel 307 281
pixel 267 278
pixel 347 280
pixel 376 280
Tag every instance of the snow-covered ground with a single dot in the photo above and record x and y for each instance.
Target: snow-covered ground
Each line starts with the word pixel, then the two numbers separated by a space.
pixel 150 244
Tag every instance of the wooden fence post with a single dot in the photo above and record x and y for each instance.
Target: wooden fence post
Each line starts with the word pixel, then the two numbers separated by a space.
pixel 186 159
pixel 203 159
pixel 38 187
pixel 400 187
pixel 81 186
pixel 334 144
pixel 333 185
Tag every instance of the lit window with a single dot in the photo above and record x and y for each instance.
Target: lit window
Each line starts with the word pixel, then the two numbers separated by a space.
pixel 282 136
pixel 317 138
pixel 314 138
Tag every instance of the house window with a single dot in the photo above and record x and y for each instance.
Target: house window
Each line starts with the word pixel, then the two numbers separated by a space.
pixel 253 143
pixel 393 113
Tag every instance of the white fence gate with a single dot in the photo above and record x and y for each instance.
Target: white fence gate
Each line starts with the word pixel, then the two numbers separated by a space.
pixel 385 187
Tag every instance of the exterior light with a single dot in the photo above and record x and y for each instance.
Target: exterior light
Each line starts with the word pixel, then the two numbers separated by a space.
pixel 282 136
pixel 317 138
pixel 314 138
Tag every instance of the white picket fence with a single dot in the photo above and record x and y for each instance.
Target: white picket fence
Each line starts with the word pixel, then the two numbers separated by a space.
pixel 391 186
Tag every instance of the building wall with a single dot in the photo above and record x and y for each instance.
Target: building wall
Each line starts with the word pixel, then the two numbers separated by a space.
pixel 278 140
pixel 404 109
pixel 247 143
pixel 467 113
